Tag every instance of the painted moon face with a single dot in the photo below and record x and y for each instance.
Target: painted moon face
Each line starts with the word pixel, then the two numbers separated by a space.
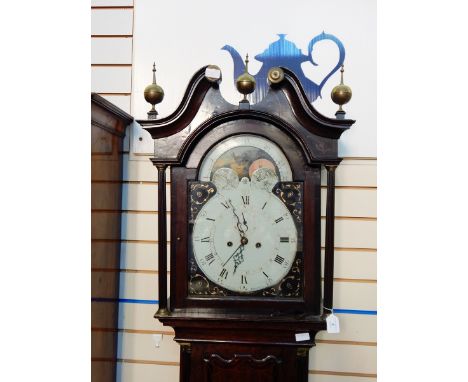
pixel 225 179
pixel 260 163
pixel 264 178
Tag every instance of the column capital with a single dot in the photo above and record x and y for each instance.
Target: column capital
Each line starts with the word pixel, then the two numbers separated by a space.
pixel 331 167
pixel 161 166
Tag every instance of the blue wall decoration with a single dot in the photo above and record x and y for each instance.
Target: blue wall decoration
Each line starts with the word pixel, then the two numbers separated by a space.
pixel 285 53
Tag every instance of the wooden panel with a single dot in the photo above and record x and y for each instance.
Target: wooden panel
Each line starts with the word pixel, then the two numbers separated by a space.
pixel 344 358
pixel 105 255
pixel 101 141
pixel 134 372
pixel 111 51
pixel 104 284
pixel 105 169
pixel 106 159
pixel 111 21
pixel 103 314
pixel 111 79
pixel 121 101
pixel 105 196
pixel 102 371
pixel 103 344
pixel 105 225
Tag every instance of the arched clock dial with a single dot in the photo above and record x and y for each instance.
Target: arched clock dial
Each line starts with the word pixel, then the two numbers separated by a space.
pixel 244 154
pixel 244 237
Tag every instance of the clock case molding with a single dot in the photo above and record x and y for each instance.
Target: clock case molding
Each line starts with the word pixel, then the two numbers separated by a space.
pixel 223 327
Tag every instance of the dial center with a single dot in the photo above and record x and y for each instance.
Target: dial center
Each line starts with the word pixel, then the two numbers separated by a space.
pixel 244 240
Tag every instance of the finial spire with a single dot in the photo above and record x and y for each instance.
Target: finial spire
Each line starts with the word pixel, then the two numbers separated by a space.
pixel 245 83
pixel 341 94
pixel 154 94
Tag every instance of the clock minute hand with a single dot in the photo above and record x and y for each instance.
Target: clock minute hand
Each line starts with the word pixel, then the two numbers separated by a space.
pixel 239 224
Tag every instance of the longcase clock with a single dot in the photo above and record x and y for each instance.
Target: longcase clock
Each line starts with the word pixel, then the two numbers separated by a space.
pixel 245 229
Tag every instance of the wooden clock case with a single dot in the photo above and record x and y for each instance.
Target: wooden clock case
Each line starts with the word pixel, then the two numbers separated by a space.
pixel 240 338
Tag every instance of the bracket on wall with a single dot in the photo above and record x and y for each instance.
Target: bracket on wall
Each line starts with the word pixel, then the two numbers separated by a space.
pixel 142 143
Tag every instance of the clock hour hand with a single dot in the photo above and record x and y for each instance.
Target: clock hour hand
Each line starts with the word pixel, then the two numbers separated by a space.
pixel 230 257
pixel 238 259
pixel 245 222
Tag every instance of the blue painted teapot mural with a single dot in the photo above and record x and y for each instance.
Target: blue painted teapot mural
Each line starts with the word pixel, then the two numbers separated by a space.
pixel 285 53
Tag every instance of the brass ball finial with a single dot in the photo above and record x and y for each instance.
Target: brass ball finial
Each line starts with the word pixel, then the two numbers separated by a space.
pixel 154 94
pixel 245 83
pixel 341 94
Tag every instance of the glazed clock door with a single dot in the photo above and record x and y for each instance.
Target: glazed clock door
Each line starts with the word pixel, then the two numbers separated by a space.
pixel 245 223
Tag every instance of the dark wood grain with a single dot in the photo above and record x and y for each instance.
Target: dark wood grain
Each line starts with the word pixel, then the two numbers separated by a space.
pixel 108 125
pixel 162 239
pixel 329 240
pixel 246 337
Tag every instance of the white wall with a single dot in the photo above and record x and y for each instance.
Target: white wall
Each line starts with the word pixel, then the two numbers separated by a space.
pixel 182 36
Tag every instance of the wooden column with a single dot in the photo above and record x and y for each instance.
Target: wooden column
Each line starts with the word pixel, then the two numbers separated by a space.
pixel 185 361
pixel 329 240
pixel 162 240
pixel 302 367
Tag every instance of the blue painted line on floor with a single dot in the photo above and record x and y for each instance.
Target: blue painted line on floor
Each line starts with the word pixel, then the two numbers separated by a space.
pixel 155 302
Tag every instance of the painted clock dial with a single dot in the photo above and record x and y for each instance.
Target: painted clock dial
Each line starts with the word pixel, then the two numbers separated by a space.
pixel 246 231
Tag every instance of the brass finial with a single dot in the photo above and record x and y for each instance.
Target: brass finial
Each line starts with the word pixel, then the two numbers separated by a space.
pixel 154 72
pixel 245 83
pixel 341 94
pixel 154 94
